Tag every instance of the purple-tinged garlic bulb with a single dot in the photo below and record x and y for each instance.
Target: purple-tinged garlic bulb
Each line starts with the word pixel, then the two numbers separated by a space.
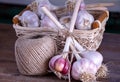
pixel 94 56
pixel 47 22
pixel 84 70
pixel 59 66
pixel 84 19
pixel 29 19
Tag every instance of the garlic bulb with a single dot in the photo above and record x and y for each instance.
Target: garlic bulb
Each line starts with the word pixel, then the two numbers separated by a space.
pixel 45 3
pixel 52 61
pixel 94 56
pixel 29 19
pixel 59 64
pixel 47 22
pixel 84 19
pixel 65 21
pixel 84 70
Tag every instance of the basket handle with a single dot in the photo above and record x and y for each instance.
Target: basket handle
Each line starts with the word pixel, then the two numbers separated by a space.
pixel 15 19
pixel 100 19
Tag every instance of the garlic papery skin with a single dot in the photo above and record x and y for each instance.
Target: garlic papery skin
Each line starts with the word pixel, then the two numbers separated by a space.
pixel 47 22
pixel 45 3
pixel 93 56
pixel 81 70
pixel 65 21
pixel 62 65
pixel 59 64
pixel 52 61
pixel 29 19
pixel 84 20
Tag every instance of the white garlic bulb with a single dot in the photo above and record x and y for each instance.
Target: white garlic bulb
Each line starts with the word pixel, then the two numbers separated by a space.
pixel 94 56
pixel 84 19
pixel 83 69
pixel 47 22
pixel 45 3
pixel 29 19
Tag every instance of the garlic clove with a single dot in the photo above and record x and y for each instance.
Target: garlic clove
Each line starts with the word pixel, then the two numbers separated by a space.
pixel 29 19
pixel 52 61
pixel 76 70
pixel 62 65
pixel 94 56
pixel 93 67
pixel 59 64
pixel 66 68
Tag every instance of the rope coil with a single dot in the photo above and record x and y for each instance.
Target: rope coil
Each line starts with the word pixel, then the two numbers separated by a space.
pixel 33 53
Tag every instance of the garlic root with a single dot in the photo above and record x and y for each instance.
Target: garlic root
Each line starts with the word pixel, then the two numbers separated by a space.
pixel 86 77
pixel 102 71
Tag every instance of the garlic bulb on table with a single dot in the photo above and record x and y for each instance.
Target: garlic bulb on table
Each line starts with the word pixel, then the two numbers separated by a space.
pixel 29 19
pixel 84 19
pixel 84 70
pixel 97 59
pixel 94 56
pixel 59 64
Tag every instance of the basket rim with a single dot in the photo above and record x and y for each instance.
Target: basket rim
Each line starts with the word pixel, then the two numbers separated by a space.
pixel 18 27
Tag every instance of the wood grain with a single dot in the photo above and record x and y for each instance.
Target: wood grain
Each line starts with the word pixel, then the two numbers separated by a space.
pixel 110 48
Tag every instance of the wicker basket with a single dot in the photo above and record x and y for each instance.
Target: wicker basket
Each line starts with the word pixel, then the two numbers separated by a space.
pixel 89 39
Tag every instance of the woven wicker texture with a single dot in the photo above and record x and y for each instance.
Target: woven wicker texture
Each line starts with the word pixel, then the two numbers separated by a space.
pixel 33 53
pixel 89 39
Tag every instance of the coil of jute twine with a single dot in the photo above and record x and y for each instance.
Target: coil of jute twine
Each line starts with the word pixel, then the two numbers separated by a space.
pixel 33 53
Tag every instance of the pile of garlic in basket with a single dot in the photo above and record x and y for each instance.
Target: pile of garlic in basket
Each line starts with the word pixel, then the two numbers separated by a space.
pixel 81 27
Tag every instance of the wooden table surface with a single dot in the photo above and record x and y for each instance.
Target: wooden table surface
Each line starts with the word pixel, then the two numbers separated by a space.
pixel 110 48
